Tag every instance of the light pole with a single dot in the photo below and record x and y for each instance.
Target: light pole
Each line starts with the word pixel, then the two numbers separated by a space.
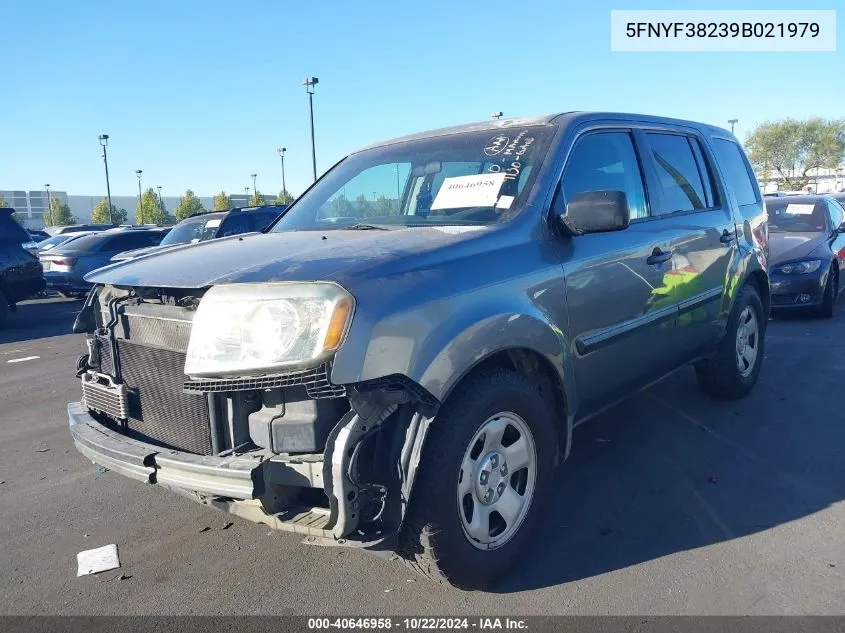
pixel 282 151
pixel 160 200
pixel 140 215
pixel 254 190
pixel 309 83
pixel 49 203
pixel 246 195
pixel 104 140
pixel 496 115
pixel 733 122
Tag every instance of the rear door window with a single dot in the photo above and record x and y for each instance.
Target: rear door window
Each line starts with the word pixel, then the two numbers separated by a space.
pixel 680 182
pixel 235 224
pixel 736 171
pixel 606 161
pixel 836 212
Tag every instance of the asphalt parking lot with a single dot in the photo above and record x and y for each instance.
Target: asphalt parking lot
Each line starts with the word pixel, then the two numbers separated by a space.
pixel 671 503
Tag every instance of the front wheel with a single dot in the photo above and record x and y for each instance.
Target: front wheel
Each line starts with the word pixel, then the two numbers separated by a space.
pixel 483 476
pixel 830 291
pixel 734 368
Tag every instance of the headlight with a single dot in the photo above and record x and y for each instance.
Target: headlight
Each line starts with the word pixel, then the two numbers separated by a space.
pixel 798 268
pixel 264 327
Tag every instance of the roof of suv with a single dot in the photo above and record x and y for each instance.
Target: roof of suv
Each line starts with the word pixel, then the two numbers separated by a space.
pixel 560 118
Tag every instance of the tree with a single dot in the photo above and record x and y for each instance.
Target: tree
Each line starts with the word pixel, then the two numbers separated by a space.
pixel 58 215
pixel 100 214
pixel 283 198
pixel 384 206
pixel 149 211
pixel 257 200
pixel 4 204
pixel 222 202
pixel 363 207
pixel 795 148
pixel 188 205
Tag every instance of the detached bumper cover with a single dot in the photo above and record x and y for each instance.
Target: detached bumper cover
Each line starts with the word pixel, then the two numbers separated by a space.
pixel 231 477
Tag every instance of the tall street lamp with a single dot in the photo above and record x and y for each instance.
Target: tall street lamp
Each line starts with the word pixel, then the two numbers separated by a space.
pixel 309 83
pixel 733 122
pixel 160 200
pixel 49 203
pixel 104 140
pixel 282 151
pixel 496 115
pixel 246 195
pixel 254 190
pixel 140 213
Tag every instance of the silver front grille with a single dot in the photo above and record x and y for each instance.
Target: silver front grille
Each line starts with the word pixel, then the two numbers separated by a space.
pixel 103 394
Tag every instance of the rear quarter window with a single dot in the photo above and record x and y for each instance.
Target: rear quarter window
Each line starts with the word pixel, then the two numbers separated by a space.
pixel 736 171
pixel 11 231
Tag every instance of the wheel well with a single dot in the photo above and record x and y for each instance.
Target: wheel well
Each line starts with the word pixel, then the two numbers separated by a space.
pixel 761 282
pixel 530 364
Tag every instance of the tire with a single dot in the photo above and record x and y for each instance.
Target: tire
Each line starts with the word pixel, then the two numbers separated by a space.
pixel 434 540
pixel 720 375
pixel 4 310
pixel 829 301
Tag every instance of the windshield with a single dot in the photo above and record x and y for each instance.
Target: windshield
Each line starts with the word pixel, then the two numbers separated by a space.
pixel 788 216
pixel 474 178
pixel 198 229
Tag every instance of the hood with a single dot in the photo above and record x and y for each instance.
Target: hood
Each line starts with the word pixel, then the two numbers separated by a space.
pixel 785 247
pixel 288 256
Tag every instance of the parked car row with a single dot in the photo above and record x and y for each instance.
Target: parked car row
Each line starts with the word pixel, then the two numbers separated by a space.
pixel 31 261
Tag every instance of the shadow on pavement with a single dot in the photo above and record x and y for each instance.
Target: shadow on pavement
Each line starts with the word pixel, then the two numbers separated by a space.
pixel 40 318
pixel 673 470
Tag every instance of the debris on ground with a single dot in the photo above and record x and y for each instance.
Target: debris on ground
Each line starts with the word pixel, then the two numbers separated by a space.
pixel 205 529
pixel 41 450
pixel 712 480
pixel 410 580
pixel 227 525
pixel 93 561
pixel 101 470
pixel 122 577
pixel 388 590
pixel 605 531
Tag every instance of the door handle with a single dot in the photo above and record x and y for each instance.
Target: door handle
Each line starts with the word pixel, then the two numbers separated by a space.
pixel 658 257
pixel 727 237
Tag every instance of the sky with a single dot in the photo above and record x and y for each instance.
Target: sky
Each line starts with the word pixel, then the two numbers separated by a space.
pixel 200 94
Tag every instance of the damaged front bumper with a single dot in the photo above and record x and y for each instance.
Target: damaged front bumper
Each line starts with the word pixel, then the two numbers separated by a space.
pixel 266 488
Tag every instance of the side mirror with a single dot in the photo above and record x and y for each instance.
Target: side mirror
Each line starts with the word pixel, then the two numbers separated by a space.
pixel 596 212
pixel 841 228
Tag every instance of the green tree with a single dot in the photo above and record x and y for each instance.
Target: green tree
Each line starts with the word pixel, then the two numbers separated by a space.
pixel 149 211
pixel 188 205
pixel 284 197
pixel 222 202
pixel 384 206
pixel 257 200
pixel 4 204
pixel 100 214
pixel 793 149
pixel 363 207
pixel 58 215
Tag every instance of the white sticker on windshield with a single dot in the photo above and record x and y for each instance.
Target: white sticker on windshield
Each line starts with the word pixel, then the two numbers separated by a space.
pixel 504 202
pixel 457 230
pixel 213 223
pixel 800 209
pixel 469 191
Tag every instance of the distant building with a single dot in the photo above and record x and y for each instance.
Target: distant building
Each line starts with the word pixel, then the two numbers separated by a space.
pixel 30 206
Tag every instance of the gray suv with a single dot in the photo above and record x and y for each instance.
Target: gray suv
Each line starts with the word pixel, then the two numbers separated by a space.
pixel 398 363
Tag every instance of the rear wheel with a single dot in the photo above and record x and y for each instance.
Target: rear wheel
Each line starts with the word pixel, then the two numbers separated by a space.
pixel 484 473
pixel 733 370
pixel 829 299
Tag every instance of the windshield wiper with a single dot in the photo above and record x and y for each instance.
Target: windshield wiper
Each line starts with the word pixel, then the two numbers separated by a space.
pixel 368 227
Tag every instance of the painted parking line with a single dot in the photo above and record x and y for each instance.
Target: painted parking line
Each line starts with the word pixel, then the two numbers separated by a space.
pixel 21 360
